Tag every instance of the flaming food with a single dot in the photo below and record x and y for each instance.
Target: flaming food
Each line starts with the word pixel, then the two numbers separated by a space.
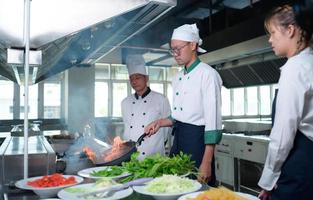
pixel 90 154
pixel 107 156
pixel 115 151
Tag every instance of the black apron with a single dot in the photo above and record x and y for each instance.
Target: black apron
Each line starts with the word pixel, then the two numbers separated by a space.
pixel 296 178
pixel 189 139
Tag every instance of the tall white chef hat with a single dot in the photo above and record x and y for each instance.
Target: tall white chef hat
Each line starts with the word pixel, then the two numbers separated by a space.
pixel 136 64
pixel 188 33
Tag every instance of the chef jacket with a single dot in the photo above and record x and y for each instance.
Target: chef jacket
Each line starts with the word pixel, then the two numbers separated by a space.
pixel 294 111
pixel 139 111
pixel 197 99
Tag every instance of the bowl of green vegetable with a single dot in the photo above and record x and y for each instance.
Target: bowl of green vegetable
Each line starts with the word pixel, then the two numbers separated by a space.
pixel 112 172
pixel 168 187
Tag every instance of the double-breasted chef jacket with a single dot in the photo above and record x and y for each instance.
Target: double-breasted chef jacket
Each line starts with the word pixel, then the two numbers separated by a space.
pixel 138 112
pixel 197 99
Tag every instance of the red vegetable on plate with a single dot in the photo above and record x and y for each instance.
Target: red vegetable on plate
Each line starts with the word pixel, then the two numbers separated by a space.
pixel 53 180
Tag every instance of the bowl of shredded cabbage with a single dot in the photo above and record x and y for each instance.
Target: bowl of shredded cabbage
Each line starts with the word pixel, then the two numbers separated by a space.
pixel 168 187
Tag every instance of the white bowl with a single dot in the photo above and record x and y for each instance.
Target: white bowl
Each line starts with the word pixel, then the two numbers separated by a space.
pixel 46 192
pixel 171 196
pixel 195 194
pixel 87 173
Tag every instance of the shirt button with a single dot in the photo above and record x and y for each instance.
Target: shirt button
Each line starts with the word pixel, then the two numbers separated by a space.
pixel 145 101
pixel 175 108
pixel 142 126
pixel 177 93
pixel 133 102
pixel 188 77
pixel 143 153
pixel 131 126
pixel 144 113
pixel 132 114
pixel 181 108
pixel 179 78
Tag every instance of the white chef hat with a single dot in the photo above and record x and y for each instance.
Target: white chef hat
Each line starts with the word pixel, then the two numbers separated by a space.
pixel 136 64
pixel 188 33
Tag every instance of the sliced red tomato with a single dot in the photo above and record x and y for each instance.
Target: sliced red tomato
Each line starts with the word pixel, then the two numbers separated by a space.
pixel 53 180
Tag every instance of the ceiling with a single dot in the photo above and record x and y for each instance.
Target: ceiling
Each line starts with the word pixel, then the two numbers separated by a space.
pixel 232 33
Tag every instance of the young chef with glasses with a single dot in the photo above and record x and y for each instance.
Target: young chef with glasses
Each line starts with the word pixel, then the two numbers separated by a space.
pixel 288 173
pixel 142 108
pixel 196 112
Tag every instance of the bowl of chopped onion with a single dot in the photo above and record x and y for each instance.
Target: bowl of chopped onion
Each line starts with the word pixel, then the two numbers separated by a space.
pixel 49 185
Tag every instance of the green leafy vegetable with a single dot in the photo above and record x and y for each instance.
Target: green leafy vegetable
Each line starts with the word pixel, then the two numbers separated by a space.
pixel 157 165
pixel 109 172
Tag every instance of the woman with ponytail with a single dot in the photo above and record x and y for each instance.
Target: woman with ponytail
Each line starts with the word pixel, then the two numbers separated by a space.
pixel 288 170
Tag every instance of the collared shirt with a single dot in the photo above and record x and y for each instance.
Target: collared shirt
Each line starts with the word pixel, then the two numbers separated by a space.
pixel 139 111
pixel 294 111
pixel 197 99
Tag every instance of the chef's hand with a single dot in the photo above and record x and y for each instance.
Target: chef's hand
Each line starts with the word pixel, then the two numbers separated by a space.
pixel 152 128
pixel 205 172
pixel 264 195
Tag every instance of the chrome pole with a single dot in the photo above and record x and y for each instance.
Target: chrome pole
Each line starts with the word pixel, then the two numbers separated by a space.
pixel 26 69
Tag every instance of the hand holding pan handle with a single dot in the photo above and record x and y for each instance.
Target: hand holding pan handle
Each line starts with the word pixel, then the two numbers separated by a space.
pixel 141 139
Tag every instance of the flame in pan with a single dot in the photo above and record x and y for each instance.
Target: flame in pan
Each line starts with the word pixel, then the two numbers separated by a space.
pixel 90 154
pixel 117 144
pixel 113 154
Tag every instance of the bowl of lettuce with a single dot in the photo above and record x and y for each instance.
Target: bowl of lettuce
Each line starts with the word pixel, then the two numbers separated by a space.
pixel 168 187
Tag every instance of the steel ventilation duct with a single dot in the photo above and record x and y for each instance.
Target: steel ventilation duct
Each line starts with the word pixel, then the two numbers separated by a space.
pixel 73 32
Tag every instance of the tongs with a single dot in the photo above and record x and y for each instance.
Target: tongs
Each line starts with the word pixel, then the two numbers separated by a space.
pixel 116 188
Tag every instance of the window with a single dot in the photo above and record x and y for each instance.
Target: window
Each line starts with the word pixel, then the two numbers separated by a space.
pixel 158 87
pixel 170 94
pixel 101 99
pixel 32 101
pixel 239 101
pixel 265 98
pixel 119 93
pixel 156 73
pixel 6 101
pixel 225 93
pixel 171 72
pixel 252 100
pixel 52 100
pixel 102 71
pixel 119 72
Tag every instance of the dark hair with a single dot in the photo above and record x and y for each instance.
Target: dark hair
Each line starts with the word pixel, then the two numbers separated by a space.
pixel 286 15
pixel 303 10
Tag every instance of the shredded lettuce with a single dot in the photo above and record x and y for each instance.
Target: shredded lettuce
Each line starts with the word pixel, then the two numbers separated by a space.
pixel 170 184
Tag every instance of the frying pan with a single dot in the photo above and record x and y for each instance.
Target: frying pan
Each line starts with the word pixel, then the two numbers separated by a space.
pixel 124 154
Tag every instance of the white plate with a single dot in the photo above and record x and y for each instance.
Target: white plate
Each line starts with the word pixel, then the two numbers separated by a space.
pixel 194 194
pixel 63 194
pixel 45 192
pixel 87 173
pixel 164 196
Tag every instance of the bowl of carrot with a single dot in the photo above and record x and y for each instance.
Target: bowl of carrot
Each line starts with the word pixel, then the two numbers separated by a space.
pixel 49 185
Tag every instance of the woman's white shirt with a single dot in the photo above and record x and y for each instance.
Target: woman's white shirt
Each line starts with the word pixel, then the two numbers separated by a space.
pixel 294 111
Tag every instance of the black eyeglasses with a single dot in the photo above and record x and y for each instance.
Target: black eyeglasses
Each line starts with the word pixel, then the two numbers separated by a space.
pixel 176 51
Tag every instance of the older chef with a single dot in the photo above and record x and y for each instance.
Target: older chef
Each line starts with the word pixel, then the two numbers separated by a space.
pixel 196 113
pixel 142 108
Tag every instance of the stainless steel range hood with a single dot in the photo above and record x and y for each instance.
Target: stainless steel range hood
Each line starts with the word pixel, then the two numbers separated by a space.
pixel 73 32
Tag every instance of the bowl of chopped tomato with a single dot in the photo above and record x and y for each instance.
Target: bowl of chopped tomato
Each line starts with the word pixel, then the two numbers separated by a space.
pixel 49 185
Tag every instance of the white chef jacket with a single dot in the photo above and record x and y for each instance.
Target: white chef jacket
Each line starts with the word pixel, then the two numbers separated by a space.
pixel 294 111
pixel 137 113
pixel 197 99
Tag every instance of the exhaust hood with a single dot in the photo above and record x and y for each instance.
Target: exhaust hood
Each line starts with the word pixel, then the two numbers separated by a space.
pixel 72 32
